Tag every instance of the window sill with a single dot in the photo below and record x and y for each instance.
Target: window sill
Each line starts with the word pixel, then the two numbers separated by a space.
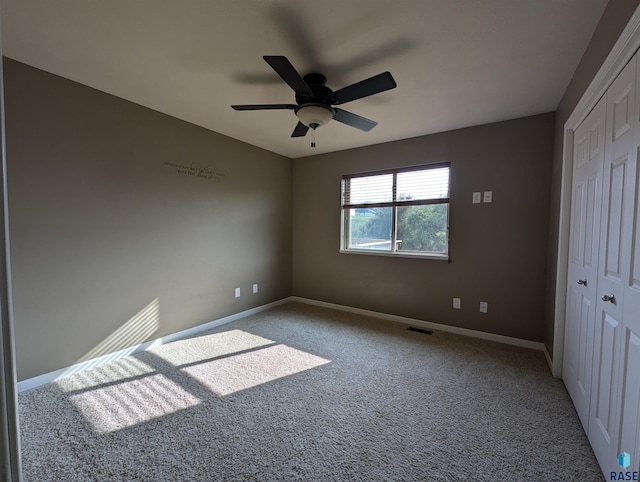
pixel 438 257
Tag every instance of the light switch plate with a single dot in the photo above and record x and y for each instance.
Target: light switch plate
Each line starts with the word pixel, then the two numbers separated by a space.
pixel 237 292
pixel 488 197
pixel 456 303
pixel 477 197
pixel 484 307
pixel 255 288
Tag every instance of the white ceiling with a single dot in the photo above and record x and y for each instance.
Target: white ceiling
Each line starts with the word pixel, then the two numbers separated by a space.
pixel 457 63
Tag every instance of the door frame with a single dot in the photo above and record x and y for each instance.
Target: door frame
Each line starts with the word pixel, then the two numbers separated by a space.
pixel 623 50
pixel 11 466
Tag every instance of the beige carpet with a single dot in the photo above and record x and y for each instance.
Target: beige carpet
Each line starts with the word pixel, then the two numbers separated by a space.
pixel 306 393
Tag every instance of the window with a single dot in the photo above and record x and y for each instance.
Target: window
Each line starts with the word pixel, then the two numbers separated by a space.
pixel 397 211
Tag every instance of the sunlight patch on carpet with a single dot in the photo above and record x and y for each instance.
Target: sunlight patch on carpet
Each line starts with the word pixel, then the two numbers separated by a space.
pixel 206 347
pixel 125 368
pixel 126 404
pixel 233 374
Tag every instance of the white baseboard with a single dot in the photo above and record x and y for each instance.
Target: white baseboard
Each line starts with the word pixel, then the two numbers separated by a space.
pixel 95 362
pixel 550 361
pixel 534 345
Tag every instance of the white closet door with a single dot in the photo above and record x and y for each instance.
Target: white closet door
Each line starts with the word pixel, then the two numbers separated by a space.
pixel 629 427
pixel 583 258
pixel 613 269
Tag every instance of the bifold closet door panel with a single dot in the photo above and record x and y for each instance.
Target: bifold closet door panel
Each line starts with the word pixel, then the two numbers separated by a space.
pixel 613 267
pixel 588 161
pixel 629 427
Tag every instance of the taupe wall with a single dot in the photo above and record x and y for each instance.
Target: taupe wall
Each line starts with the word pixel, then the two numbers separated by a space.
pixel 498 250
pixel 103 223
pixel 612 23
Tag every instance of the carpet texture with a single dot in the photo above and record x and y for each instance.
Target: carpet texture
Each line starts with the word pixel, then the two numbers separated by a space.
pixel 306 393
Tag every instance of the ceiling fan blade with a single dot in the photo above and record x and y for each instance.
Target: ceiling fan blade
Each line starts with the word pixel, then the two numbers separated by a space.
pixel 300 130
pixel 354 120
pixel 264 107
pixel 364 88
pixel 284 69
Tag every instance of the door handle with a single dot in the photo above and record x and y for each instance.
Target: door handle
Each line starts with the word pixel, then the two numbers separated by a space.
pixel 609 298
pixel 582 282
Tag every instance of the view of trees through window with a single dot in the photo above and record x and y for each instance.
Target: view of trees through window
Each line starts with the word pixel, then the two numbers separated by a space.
pixel 415 202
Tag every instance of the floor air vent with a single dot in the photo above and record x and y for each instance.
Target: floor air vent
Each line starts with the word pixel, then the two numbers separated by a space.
pixel 420 330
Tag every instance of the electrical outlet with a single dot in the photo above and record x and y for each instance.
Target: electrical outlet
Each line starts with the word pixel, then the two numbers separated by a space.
pixel 488 197
pixel 255 288
pixel 476 197
pixel 237 292
pixel 484 307
pixel 456 303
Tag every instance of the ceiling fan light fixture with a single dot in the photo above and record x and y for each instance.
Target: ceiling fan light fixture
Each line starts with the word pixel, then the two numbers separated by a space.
pixel 314 115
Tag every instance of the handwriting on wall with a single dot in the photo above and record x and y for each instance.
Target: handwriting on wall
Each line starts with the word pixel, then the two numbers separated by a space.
pixel 198 170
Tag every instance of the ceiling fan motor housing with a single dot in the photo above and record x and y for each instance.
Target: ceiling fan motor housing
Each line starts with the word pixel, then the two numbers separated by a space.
pixel 321 93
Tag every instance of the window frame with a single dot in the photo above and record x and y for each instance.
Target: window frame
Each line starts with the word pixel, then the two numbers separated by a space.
pixel 345 208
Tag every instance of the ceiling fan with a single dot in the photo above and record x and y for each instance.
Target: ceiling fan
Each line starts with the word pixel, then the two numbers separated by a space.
pixel 316 101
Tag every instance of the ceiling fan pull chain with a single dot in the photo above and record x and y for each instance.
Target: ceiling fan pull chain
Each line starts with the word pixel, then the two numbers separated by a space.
pixel 313 142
